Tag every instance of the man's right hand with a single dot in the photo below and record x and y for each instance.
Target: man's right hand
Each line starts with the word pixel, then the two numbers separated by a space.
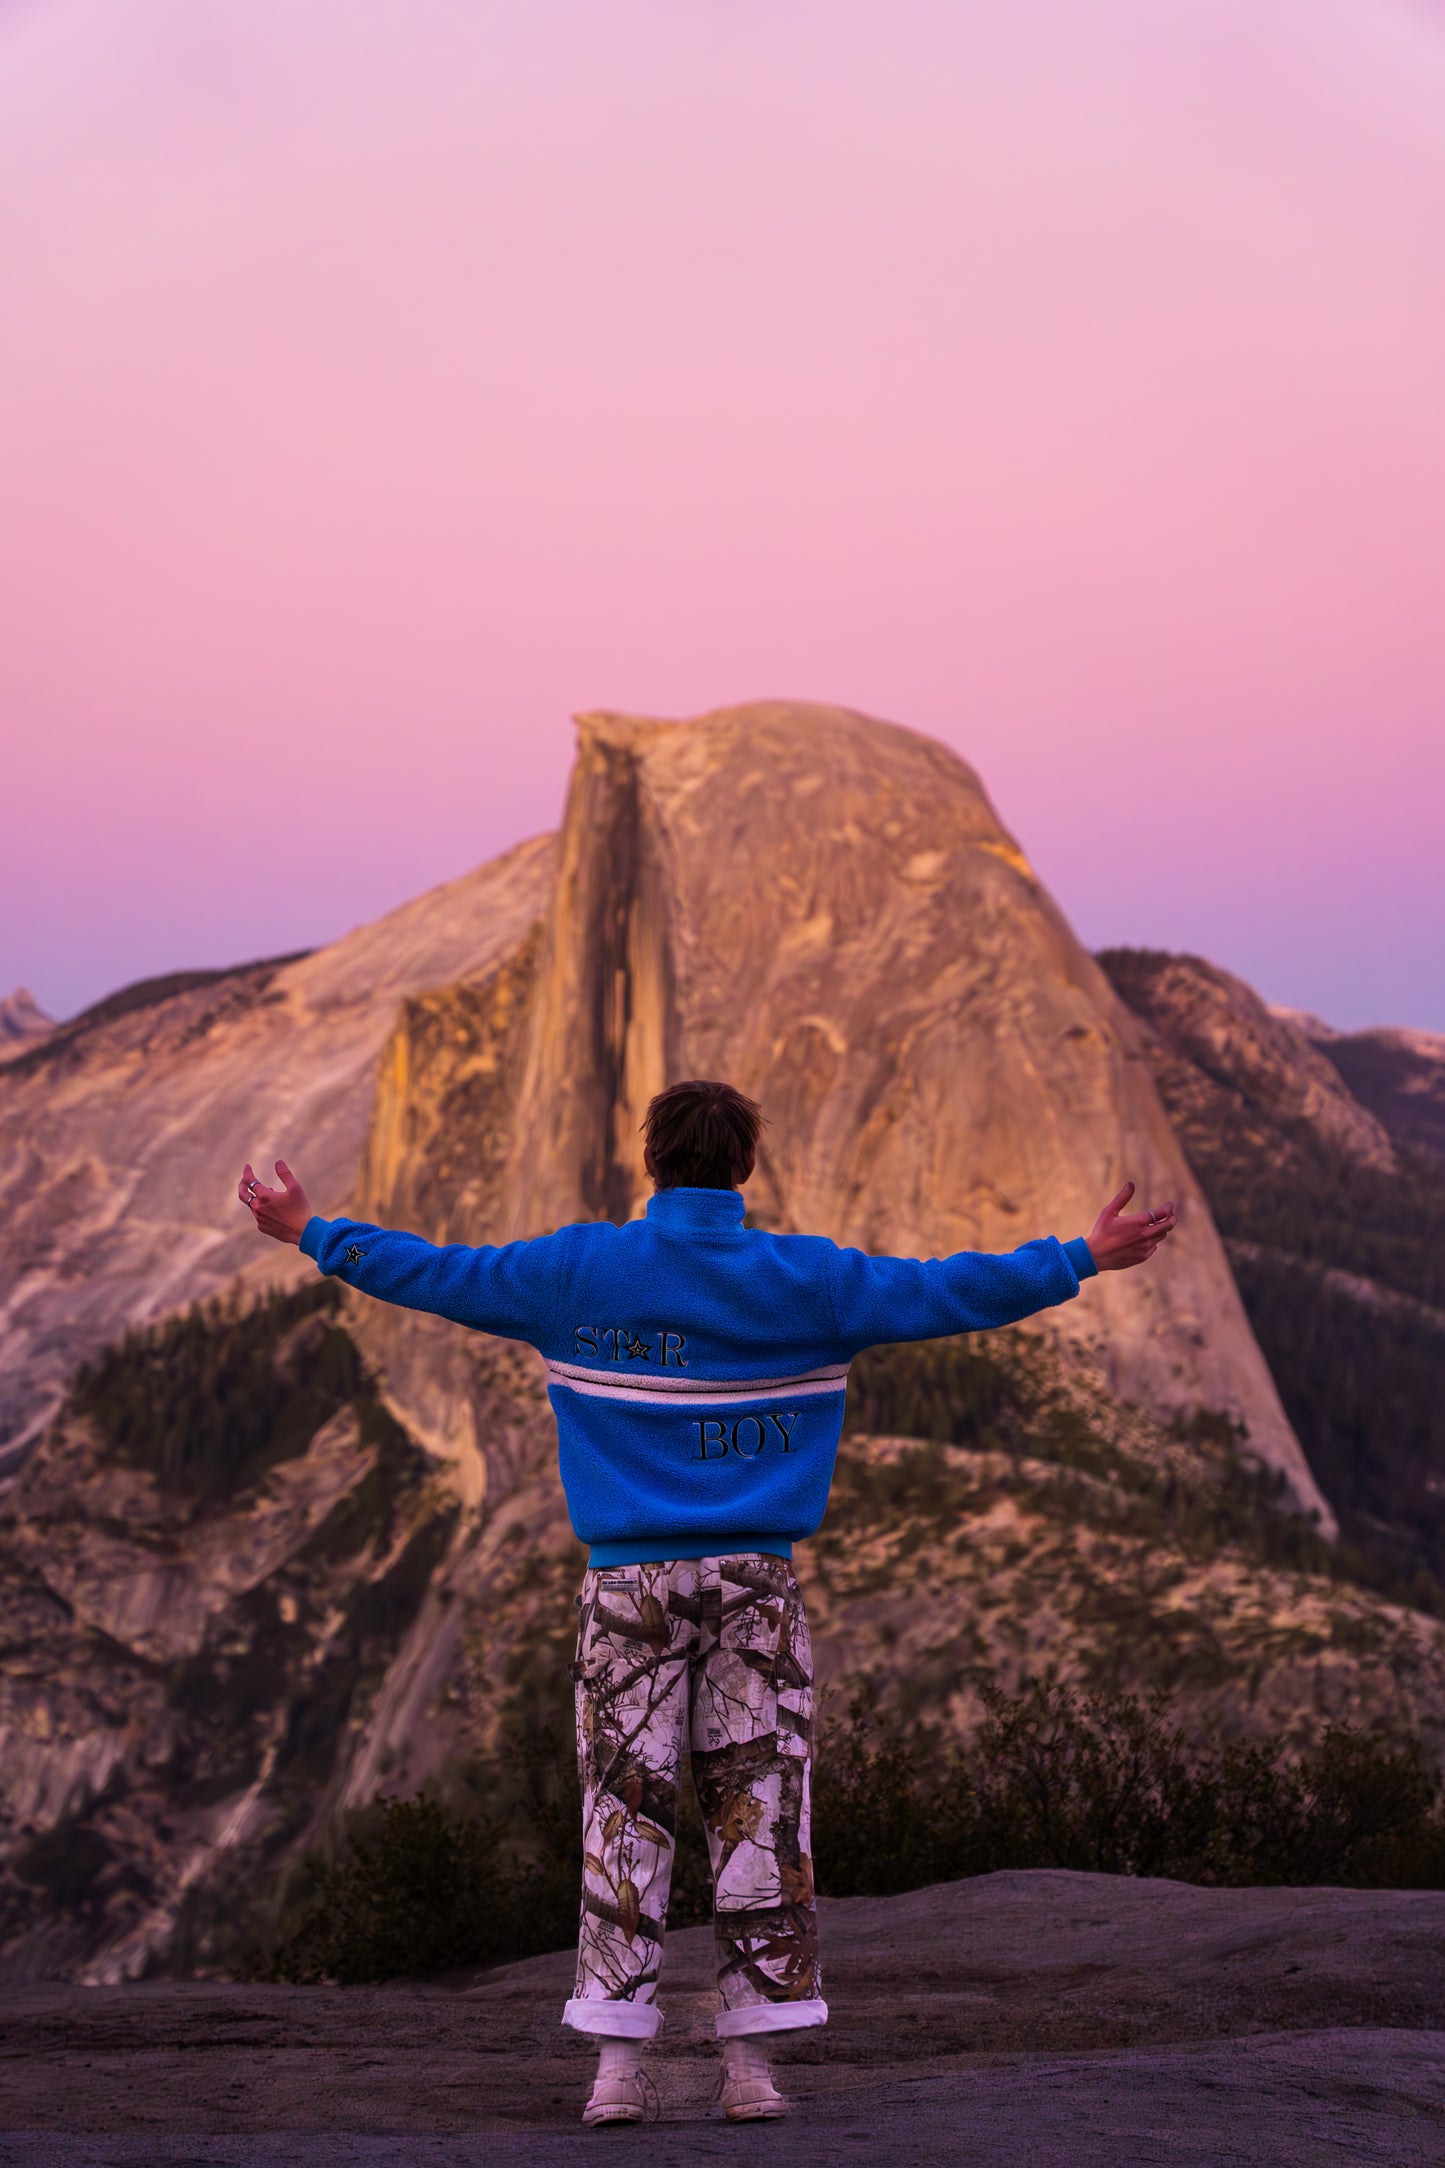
pixel 281 1213
pixel 1121 1239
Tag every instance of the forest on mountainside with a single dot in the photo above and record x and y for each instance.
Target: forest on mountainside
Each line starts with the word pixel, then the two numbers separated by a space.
pixel 209 1399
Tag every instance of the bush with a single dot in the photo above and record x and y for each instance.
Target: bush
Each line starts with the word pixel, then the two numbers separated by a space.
pixel 1106 1785
pixel 418 1890
pixel 421 1886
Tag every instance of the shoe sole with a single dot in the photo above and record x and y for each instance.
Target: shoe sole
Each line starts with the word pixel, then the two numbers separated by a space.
pixel 605 2116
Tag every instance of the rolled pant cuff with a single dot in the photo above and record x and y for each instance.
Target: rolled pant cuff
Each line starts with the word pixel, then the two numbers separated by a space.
pixel 614 2020
pixel 770 2017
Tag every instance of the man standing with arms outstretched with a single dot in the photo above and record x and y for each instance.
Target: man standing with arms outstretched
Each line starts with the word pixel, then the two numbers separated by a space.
pixel 698 1370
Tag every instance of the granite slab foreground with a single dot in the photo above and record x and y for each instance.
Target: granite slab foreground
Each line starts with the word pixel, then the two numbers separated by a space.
pixel 1030 2018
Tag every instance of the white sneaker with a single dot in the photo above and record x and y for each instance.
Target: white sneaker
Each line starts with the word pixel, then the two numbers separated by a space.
pixel 746 2089
pixel 622 2096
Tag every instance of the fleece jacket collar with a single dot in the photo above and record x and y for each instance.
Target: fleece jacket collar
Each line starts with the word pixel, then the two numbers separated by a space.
pixel 697 1211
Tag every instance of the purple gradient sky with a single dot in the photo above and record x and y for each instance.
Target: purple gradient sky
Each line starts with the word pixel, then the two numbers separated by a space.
pixel 382 381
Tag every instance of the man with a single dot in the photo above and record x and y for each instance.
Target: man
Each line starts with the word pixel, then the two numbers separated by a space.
pixel 698 1369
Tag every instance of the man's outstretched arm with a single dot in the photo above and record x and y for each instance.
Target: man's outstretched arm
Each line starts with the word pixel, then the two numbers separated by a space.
pixel 511 1289
pixel 878 1299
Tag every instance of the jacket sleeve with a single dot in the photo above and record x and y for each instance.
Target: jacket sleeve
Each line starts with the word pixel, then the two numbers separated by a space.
pixel 909 1298
pixel 513 1289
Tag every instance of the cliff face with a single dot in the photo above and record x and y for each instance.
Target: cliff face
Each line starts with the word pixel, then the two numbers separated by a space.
pixel 827 911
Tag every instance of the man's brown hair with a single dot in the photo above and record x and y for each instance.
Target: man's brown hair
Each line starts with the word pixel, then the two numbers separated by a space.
pixel 702 1135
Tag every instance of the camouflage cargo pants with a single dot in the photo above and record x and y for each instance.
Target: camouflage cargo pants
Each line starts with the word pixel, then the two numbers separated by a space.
pixel 711 1652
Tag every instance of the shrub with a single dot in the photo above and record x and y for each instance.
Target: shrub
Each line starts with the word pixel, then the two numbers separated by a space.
pixel 417 1890
pixel 1109 1785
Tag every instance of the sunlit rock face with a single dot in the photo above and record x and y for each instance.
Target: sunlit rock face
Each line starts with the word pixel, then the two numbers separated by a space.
pixel 827 911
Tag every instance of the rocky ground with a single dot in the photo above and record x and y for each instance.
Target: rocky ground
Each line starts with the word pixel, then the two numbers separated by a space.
pixel 1038 2018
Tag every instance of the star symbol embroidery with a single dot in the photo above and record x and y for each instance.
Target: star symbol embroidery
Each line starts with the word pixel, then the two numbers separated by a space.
pixel 353 1255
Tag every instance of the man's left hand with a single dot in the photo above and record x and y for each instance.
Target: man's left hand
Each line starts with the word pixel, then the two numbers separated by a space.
pixel 1121 1239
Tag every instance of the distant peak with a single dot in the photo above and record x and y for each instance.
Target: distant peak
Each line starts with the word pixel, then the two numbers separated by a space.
pixel 21 1017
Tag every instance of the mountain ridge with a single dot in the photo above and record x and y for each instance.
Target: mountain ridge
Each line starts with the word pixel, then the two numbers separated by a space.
pixel 120 1140
pixel 1340 1256
pixel 829 911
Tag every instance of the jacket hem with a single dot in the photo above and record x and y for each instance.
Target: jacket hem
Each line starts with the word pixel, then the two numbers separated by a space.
pixel 656 1550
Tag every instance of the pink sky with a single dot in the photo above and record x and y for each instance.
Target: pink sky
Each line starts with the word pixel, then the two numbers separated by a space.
pixel 380 383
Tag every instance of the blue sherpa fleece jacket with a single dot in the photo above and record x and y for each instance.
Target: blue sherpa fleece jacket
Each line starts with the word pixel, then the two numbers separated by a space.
pixel 697 1367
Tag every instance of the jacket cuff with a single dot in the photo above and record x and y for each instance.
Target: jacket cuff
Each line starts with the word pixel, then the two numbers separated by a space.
pixel 1080 1256
pixel 312 1236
